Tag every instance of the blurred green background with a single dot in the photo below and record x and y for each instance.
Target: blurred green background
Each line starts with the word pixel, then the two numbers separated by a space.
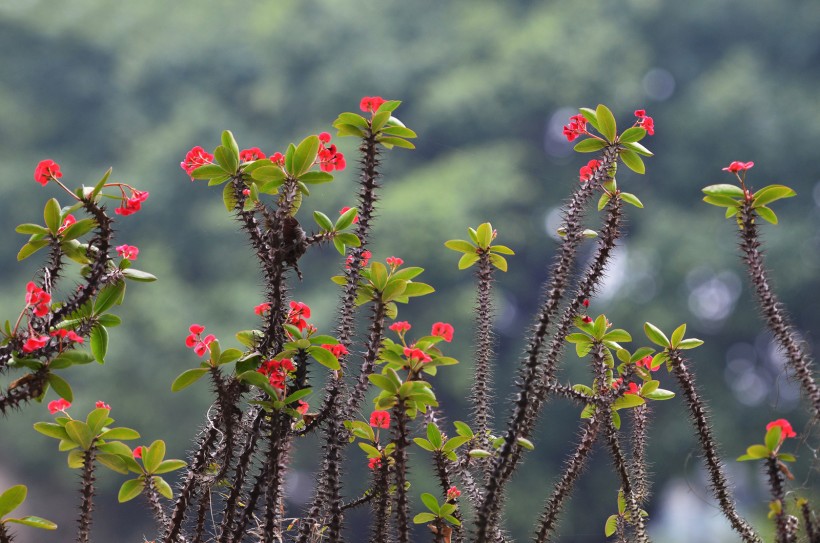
pixel 487 86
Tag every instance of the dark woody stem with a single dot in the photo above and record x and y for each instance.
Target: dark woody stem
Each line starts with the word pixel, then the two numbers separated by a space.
pixel 152 495
pixel 783 528
pixel 23 390
pixel 381 505
pixel 87 492
pixel 809 522
pixel 699 415
pixel 528 381
pixel 250 506
pixel 5 536
pixel 637 464
pixel 400 455
pixel 776 319
pixel 482 394
pixel 374 343
pixel 201 516
pixel 275 482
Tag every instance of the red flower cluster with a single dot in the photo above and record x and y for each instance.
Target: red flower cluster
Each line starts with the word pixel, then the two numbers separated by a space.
pixel 329 158
pixel 262 308
pixel 278 158
pixel 277 371
pixel 443 330
pixel 298 313
pixel 645 122
pixel 453 493
pixel 365 259
pixel 128 251
pixel 133 204
pixel 249 155
pixel 58 405
pixel 646 362
pixel 303 407
pixel 47 170
pixel 39 298
pixel 371 103
pixel 736 166
pixel 416 354
pixel 400 327
pixel 102 405
pixel 587 171
pixel 195 158
pixel 577 127
pixel 344 210
pixel 394 261
pixel 69 220
pixel 138 452
pixel 380 419
pixel 786 429
pixel 34 343
pixel 69 335
pixel 337 350
pixel 196 342
pixel 374 463
pixel 632 389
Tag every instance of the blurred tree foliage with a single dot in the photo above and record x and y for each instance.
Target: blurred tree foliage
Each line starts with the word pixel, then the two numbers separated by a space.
pixel 487 86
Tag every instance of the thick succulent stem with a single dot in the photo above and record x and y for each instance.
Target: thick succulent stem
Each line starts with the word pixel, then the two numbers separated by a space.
pixel 637 464
pixel 784 529
pixel 380 531
pixel 482 393
pixel 275 482
pixel 152 495
pixel 699 416
pixel 5 536
pixel 776 318
pixel 400 455
pixel 809 523
pixel 87 493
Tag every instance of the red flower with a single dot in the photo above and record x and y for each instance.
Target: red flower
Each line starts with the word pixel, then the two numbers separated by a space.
pixel 646 362
pixel 443 330
pixel 298 313
pixel 587 171
pixel 394 261
pixel 38 298
pixel 128 251
pixel 371 103
pixel 133 204
pixel 196 342
pixel 585 302
pixel 70 335
pixel 374 463
pixel 47 170
pixel 58 405
pixel 736 166
pixel 102 405
pixel 330 159
pixel 34 343
pixel 303 407
pixel 262 308
pixel 337 350
pixel 577 127
pixel 631 389
pixel 400 327
pixel 324 137
pixel 249 155
pixel 138 452
pixel 366 255
pixel 640 113
pixel 587 319
pixel 453 493
pixel 277 371
pixel 416 354
pixel 380 419
pixel 69 220
pixel 785 428
pixel 195 158
pixel 645 122
pixel 345 209
pixel 278 158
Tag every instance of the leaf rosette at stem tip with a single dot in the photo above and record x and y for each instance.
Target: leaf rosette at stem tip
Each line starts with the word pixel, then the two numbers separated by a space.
pixel 386 129
pixel 481 243
pixel 734 197
pixel 152 464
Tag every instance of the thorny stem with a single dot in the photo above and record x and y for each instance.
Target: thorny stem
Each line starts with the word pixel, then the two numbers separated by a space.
pixel 250 505
pixel 400 455
pixel 5 537
pixel 374 344
pixel 785 534
pixel 776 319
pixel 482 394
pixel 275 469
pixel 637 464
pixel 381 505
pixel 809 522
pixel 699 416
pixel 87 492
pixel 201 515
pixel 152 495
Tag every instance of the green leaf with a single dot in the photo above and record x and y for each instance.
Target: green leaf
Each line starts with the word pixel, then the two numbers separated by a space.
pixel 690 343
pixel 108 297
pixel 170 465
pixel 130 489
pixel 611 525
pixel 467 260
pixel 757 452
pixel 591 117
pixel 430 502
pixel 346 219
pixel 463 429
pixel 304 156
pixel 79 228
pixel 628 400
pixel 723 189
pixel 721 201
pixel 315 178
pixel 11 499
pixel 617 335
pixel 97 419
pixel 630 198
pixel 678 334
pixel 99 343
pixel 786 457
pixel 773 438
pixel 423 443
pixel 632 134
pixel 632 160
pixel 766 214
pixel 79 432
pixel 378 275
pixel 30 248
pixel 208 171
pixel 659 394
pixel 418 289
pixel 50 429
pixel 70 358
pixel 655 335
pixel 638 148
pixel 606 122
pixel 351 119
pixel 603 201
pixel 479 453
pixel 421 518
pixel 499 262
pixel 226 159
pixel 60 386
pixel 229 197
pixel 408 273
pixel 771 193
pixel 400 131
pixel 75 459
pixel 187 378
pixel 434 435
pixel 270 176
pixel 323 221
pixel 52 215
pixel 324 357
pixel 389 142
pixel 484 232
pixel 461 246
pixel 153 456
pixel 139 275
pixel 526 443
pixel 393 290
pixel 113 462
pixel 383 382
pixel 32 229
pixel 120 433
pixel 229 143
pixel 502 249
pixel 33 522
pixel 589 145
